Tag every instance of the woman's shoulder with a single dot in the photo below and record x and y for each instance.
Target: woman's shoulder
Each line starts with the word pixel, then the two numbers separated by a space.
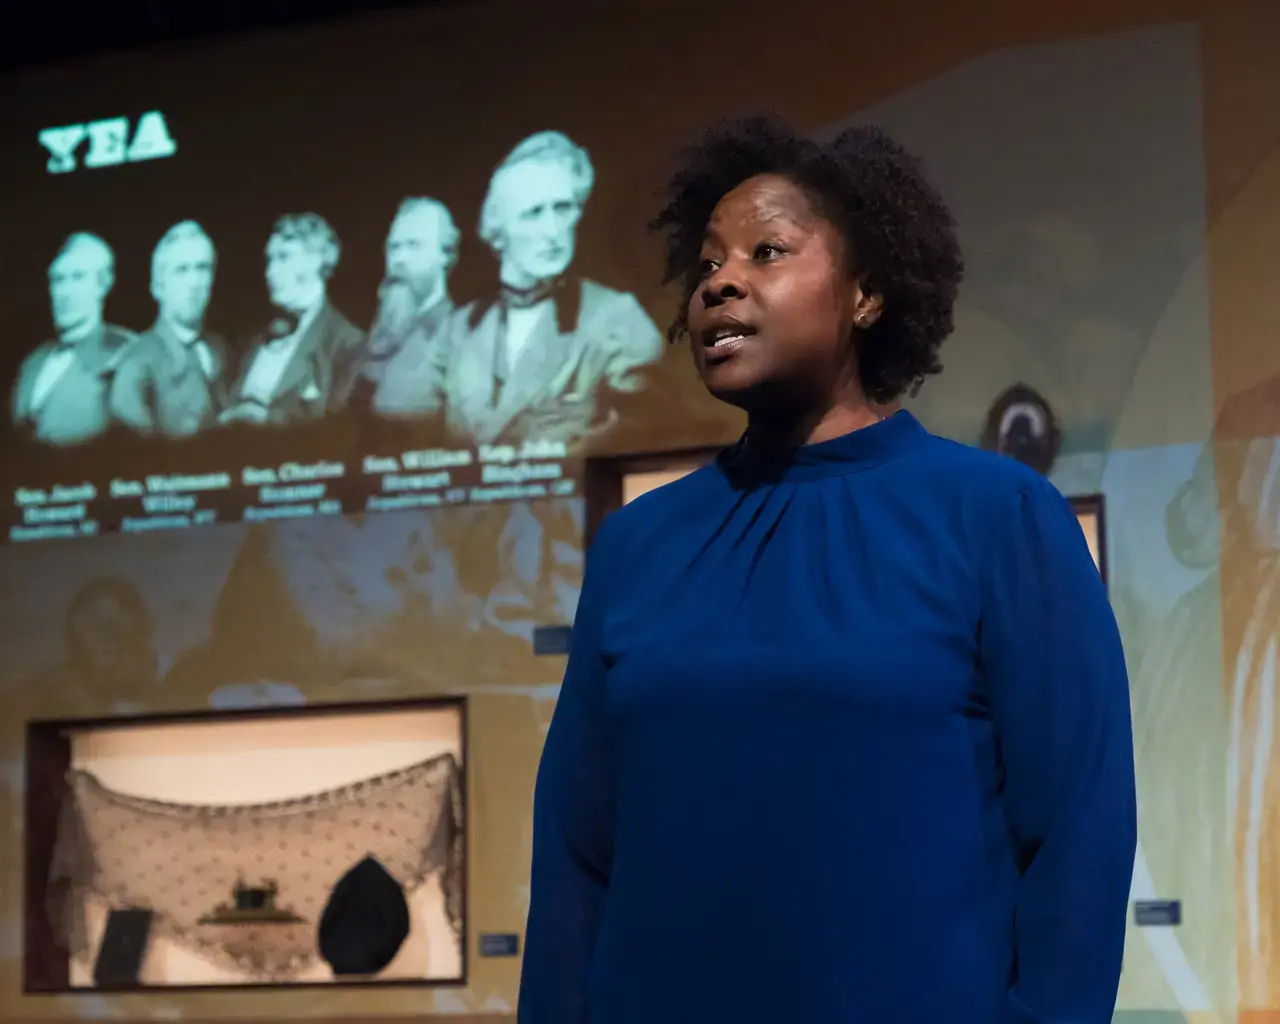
pixel 959 464
pixel 983 493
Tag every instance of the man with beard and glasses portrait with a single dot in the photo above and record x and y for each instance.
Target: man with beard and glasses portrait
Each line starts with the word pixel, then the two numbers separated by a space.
pixel 61 394
pixel 290 371
pixel 545 355
pixel 171 382
pixel 399 372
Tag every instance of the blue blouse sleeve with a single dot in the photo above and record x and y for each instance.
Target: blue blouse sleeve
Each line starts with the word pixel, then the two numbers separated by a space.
pixel 572 827
pixel 1059 698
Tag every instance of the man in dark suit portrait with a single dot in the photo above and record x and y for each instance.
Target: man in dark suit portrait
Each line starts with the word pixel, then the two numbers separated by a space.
pixel 289 373
pixel 540 358
pixel 61 395
pixel 172 382
pixel 399 371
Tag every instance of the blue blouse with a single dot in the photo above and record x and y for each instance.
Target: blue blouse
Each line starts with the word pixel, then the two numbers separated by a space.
pixel 848 744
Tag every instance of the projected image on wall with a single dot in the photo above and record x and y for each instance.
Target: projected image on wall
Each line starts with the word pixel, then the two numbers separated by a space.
pixel 291 848
pixel 289 370
pixel 536 359
pixel 221 393
pixel 533 360
pixel 172 380
pixel 1082 282
pixel 62 391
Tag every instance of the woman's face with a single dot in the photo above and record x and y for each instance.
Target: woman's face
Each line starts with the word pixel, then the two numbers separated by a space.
pixel 772 315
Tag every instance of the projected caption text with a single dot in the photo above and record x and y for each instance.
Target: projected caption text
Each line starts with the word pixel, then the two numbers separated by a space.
pixel 417 479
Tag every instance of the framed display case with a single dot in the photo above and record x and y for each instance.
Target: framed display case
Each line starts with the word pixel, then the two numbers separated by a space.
pixel 307 846
pixel 1091 513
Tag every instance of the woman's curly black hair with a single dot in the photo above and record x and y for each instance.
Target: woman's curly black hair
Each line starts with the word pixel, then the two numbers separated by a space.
pixel 898 232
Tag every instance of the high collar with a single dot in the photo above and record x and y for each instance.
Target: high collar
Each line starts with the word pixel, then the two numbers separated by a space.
pixel 565 292
pixel 859 449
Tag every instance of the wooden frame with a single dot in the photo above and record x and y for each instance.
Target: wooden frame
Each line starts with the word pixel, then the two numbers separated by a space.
pixel 1091 513
pixel 46 966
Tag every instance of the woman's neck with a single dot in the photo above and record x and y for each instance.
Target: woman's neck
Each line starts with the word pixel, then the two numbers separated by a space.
pixel 777 433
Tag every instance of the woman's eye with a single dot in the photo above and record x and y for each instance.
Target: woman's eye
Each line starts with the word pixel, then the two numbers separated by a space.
pixel 706 268
pixel 767 251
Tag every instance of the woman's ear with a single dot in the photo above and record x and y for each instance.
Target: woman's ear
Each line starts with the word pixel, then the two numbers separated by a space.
pixel 867 308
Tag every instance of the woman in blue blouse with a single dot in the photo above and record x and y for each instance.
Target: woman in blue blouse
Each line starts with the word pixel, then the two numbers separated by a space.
pixel 844 736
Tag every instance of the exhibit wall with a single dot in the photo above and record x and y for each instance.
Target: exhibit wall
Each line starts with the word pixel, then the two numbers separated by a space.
pixel 310 336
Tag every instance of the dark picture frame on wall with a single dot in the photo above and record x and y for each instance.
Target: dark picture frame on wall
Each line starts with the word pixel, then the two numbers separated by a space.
pixel 315 847
pixel 1091 513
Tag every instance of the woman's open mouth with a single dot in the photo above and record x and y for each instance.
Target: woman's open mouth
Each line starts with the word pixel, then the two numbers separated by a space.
pixel 722 341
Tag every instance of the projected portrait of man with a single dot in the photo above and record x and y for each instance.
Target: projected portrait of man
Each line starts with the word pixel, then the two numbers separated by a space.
pixel 63 388
pixel 289 373
pixel 171 383
pixel 400 371
pixel 545 356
